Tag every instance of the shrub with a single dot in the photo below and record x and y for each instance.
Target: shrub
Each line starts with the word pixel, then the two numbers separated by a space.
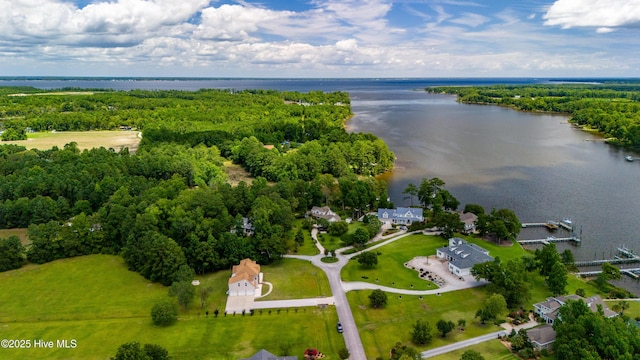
pixel 164 313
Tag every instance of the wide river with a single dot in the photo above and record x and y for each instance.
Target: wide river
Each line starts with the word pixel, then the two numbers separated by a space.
pixel 536 164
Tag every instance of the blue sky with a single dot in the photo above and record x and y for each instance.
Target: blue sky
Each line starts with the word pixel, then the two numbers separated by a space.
pixel 320 38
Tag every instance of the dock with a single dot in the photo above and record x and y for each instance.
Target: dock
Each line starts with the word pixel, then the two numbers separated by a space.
pixel 632 273
pixel 551 224
pixel 625 256
pixel 549 240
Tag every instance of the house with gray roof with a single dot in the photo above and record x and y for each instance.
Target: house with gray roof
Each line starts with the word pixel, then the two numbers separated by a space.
pixel 265 355
pixel 401 215
pixel 542 337
pixel 462 256
pixel 469 220
pixel 548 310
pixel 324 212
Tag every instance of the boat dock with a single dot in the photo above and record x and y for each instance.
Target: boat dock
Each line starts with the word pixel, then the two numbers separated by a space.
pixel 625 256
pixel 551 225
pixel 633 273
pixel 550 239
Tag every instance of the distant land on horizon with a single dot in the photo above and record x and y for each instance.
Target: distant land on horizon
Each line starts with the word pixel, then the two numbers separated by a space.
pixel 196 78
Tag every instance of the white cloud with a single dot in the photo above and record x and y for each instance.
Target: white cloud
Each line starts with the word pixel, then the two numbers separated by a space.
pixel 593 13
pixel 235 22
pixel 470 19
pixel 123 21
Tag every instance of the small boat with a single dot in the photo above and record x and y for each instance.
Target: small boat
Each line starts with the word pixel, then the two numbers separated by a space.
pixel 551 238
pixel 629 158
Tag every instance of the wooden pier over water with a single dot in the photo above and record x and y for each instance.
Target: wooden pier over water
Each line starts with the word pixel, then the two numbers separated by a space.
pixel 625 256
pixel 551 225
pixel 550 239
pixel 633 273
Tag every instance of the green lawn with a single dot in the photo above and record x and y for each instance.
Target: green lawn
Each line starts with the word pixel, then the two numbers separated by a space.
pixel 87 287
pixel 97 301
pixel 308 247
pixel 391 269
pixel 380 329
pixel 198 338
pixel 505 253
pixel 295 279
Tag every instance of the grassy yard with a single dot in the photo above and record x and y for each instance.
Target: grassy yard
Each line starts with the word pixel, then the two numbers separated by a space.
pixel 391 269
pixel 308 247
pixel 19 232
pixel 295 279
pixel 505 253
pixel 197 338
pixel 97 301
pixel 380 329
pixel 85 140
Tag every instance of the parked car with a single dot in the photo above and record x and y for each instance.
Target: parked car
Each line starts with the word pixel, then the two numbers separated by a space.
pixel 339 328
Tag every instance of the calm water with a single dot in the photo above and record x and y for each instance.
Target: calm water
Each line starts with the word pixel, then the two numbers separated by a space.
pixel 536 164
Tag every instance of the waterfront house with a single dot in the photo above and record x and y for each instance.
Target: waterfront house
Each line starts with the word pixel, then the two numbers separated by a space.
pixel 469 220
pixel 548 310
pixel 462 256
pixel 401 215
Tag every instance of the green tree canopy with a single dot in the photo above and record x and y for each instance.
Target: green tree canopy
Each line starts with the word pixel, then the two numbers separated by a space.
pixel 421 333
pixel 378 298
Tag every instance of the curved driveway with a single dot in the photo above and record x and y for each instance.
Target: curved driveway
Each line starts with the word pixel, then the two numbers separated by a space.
pixel 339 289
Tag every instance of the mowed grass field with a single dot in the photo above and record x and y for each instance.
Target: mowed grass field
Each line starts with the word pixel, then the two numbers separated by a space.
pixel 85 140
pixel 380 329
pixel 99 303
pixel 295 279
pixel 391 269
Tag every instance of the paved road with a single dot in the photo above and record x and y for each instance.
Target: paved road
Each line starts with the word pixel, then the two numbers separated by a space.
pixel 477 340
pixel 339 289
pixel 460 344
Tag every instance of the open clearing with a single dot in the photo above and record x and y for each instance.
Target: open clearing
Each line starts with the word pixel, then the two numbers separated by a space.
pixel 97 301
pixel 85 140
pixel 19 232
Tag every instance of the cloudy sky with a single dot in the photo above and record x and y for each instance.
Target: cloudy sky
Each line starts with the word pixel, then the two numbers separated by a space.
pixel 320 38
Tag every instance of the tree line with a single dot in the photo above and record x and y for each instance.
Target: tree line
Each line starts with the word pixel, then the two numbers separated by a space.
pixel 611 108
pixel 169 204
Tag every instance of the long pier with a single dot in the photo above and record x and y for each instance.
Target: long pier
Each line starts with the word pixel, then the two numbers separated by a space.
pixel 633 273
pixel 627 257
pixel 549 240
pixel 551 225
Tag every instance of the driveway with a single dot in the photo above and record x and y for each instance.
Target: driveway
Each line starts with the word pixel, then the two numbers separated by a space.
pixel 339 289
pixel 277 304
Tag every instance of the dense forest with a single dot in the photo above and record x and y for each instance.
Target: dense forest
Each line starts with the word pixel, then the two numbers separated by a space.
pixel 169 203
pixel 611 108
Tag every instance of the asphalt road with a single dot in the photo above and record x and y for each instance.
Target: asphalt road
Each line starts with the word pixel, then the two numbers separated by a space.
pixel 460 344
pixel 339 289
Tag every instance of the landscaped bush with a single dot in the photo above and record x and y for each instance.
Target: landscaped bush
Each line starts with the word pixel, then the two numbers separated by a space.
pixel 164 313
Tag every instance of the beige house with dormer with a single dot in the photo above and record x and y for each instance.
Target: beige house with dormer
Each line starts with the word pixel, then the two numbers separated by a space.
pixel 246 279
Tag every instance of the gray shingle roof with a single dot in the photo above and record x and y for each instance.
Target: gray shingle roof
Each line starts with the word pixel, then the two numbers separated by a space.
pixel 464 255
